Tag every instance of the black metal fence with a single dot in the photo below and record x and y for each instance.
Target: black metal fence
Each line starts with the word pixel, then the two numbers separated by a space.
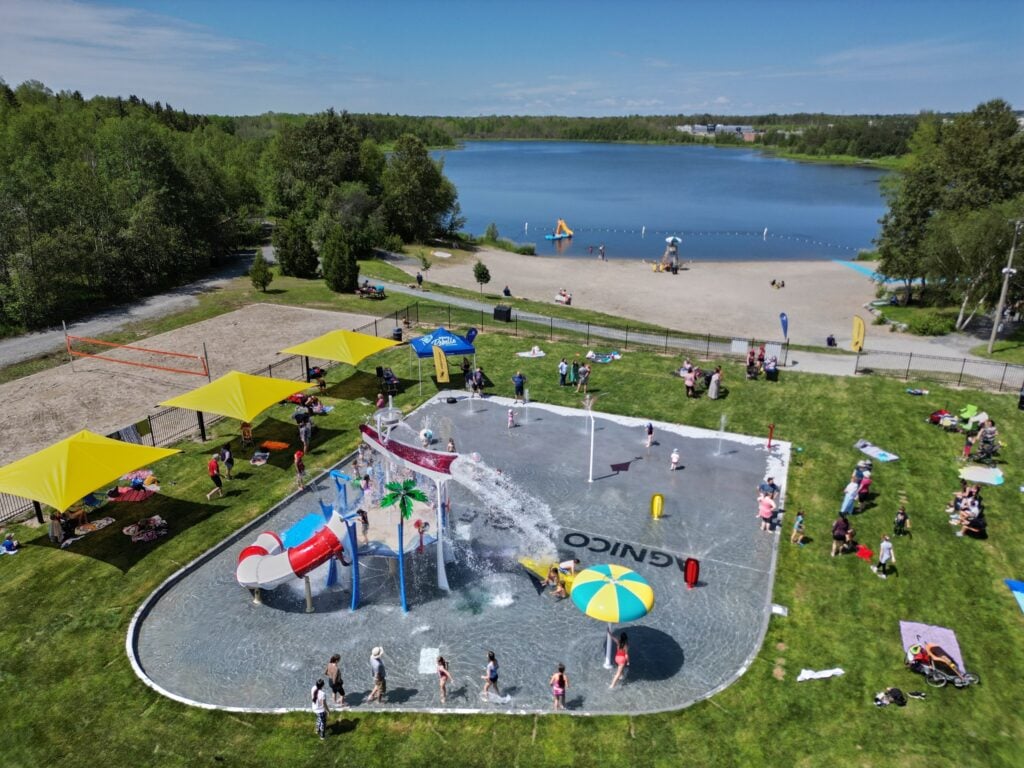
pixel 956 371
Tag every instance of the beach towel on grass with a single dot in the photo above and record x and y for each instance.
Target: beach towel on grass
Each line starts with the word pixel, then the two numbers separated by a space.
pixel 986 475
pixel 273 445
pixel 128 494
pixel 910 631
pixel 259 459
pixel 138 474
pixel 95 525
pixel 810 674
pixel 603 358
pixel 874 451
pixel 1017 588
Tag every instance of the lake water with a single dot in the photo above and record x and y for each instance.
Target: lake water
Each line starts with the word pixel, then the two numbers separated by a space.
pixel 631 197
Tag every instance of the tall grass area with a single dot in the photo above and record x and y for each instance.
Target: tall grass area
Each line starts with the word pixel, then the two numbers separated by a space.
pixel 70 698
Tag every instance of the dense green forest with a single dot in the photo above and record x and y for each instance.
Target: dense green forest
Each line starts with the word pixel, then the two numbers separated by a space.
pixel 863 136
pixel 950 222
pixel 108 199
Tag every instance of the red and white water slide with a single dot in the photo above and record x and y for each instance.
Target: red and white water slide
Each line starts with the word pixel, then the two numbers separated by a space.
pixel 266 563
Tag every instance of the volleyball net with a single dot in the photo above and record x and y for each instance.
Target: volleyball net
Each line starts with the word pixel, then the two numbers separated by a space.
pixel 140 357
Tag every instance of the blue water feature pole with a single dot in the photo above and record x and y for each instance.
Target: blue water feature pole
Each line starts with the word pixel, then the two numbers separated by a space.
pixel 401 562
pixel 341 481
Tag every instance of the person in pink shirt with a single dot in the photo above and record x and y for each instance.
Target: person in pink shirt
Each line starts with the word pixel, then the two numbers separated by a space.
pixel 863 490
pixel 765 511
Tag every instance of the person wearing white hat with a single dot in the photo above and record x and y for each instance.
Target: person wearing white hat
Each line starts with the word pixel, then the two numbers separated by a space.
pixel 380 682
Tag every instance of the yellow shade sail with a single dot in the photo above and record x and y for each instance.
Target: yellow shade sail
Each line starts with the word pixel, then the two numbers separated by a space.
pixel 237 395
pixel 342 346
pixel 75 467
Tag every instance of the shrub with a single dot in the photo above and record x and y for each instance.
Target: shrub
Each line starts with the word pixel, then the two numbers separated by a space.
pixel 930 324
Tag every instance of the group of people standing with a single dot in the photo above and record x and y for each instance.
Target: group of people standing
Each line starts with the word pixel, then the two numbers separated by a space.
pixel 576 375
pixel 331 681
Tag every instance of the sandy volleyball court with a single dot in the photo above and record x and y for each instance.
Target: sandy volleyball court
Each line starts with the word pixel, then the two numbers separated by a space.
pixel 41 409
pixel 728 298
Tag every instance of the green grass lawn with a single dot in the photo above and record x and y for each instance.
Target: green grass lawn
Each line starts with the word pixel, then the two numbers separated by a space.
pixel 70 697
pixel 1009 350
pixel 923 321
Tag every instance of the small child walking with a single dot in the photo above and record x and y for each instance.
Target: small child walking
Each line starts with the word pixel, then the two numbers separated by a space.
pixel 797 537
pixel 650 434
pixel 674 460
pixel 300 471
pixel 443 677
pixel 511 418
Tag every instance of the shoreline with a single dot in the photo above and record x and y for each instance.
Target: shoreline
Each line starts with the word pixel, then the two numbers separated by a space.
pixel 728 298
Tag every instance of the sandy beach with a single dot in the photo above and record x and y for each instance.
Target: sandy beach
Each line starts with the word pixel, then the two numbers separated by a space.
pixel 725 298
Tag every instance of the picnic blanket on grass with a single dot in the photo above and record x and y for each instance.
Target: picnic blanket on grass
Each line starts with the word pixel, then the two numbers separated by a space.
pixel 147 529
pixel 986 475
pixel 129 494
pixel 259 458
pixel 929 633
pixel 138 474
pixel 874 451
pixel 603 358
pixel 1017 588
pixel 95 525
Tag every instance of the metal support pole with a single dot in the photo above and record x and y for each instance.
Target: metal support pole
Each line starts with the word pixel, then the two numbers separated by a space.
pixel 1007 274
pixel 962 366
pixel 309 595
pixel 625 344
pixel 588 334
pixel 910 357
pixel 39 511
pixel 305 359
pixel 666 342
pixel 202 426
pixel 206 362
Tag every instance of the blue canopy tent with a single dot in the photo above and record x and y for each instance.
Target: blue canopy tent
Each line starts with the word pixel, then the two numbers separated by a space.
pixel 450 343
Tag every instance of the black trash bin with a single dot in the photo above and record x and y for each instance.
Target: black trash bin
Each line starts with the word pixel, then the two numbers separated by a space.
pixel 1020 403
pixel 396 335
pixel 503 313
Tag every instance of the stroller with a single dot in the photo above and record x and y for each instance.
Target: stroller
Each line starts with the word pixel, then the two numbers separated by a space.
pixel 937 666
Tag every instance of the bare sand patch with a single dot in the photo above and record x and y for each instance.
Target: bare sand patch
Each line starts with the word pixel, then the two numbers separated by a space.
pixel 38 410
pixel 727 298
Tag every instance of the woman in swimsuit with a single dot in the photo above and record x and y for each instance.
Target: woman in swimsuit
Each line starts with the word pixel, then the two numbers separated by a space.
pixel 443 677
pixel 559 683
pixel 621 657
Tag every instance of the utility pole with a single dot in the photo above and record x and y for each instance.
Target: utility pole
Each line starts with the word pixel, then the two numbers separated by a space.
pixel 1007 274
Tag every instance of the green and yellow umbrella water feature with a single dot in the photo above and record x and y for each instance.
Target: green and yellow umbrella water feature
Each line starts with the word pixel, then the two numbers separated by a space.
pixel 613 594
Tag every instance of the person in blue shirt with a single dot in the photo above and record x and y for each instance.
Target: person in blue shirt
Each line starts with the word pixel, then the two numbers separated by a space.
pixel 10 545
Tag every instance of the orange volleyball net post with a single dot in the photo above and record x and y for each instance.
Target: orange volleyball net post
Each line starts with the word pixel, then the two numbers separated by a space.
pixel 155 358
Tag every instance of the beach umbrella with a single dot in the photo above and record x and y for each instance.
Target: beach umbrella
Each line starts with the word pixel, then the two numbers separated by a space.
pixel 612 594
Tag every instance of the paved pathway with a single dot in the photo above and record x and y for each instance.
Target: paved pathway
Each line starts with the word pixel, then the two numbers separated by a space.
pixel 833 364
pixel 30 345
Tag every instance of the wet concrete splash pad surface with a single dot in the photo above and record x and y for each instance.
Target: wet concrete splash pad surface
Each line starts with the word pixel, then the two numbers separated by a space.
pixel 200 638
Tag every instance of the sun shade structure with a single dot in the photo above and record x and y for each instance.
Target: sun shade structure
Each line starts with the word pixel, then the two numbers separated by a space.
pixel 612 593
pixel 341 346
pixel 450 343
pixel 237 395
pixel 78 465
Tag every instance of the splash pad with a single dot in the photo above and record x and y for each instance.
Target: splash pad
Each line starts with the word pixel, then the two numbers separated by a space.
pixel 512 493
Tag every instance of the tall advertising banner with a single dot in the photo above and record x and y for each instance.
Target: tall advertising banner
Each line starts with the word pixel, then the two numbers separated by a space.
pixel 858 333
pixel 441 366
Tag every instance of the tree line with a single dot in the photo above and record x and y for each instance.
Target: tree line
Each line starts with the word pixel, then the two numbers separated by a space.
pixel 109 199
pixel 950 223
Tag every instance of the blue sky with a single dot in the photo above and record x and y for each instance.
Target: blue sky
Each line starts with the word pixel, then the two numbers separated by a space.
pixel 451 57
